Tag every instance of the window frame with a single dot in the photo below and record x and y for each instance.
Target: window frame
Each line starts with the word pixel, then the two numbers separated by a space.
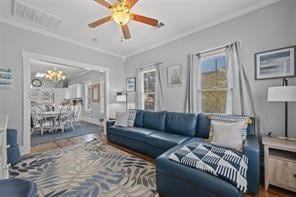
pixel 148 70
pixel 87 96
pixel 206 56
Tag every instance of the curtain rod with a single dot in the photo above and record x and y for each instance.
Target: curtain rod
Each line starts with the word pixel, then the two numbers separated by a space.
pixel 216 48
pixel 149 65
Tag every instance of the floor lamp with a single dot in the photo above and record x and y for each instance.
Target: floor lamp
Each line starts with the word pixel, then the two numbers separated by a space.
pixel 284 94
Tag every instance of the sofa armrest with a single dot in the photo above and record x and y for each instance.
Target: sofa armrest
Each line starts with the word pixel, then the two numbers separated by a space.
pixel 252 151
pixel 110 123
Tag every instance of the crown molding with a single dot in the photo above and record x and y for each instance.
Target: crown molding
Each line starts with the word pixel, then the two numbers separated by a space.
pixel 124 57
pixel 15 23
pixel 207 25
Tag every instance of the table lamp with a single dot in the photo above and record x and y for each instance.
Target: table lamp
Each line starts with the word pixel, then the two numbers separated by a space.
pixel 285 94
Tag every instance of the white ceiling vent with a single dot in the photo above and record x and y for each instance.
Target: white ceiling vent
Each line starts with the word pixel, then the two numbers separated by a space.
pixel 36 16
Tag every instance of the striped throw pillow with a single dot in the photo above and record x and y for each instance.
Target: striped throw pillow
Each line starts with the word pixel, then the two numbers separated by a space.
pixel 131 118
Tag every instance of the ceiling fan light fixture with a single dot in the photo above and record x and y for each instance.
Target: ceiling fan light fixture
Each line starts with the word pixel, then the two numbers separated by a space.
pixel 121 14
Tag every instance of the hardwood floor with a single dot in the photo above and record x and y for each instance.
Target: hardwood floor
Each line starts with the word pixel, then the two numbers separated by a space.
pixel 272 192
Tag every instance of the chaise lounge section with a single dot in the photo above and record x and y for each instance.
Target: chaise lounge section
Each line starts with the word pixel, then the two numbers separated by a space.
pixel 158 134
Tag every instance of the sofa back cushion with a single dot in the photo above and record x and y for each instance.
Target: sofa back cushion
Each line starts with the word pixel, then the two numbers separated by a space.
pixel 154 120
pixel 139 118
pixel 181 123
pixel 204 125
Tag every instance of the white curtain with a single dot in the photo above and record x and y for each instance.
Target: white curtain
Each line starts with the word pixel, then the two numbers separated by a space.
pixel 139 89
pixel 239 94
pixel 159 87
pixel 192 102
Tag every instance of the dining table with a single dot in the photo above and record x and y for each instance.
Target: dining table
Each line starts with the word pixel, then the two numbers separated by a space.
pixel 52 116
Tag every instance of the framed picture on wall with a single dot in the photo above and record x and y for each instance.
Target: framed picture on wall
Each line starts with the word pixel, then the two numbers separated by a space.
pixel 96 93
pixel 6 77
pixel 174 75
pixel 279 63
pixel 131 84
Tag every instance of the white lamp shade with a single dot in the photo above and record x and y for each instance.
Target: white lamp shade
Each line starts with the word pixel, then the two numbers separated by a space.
pixel 282 93
pixel 120 98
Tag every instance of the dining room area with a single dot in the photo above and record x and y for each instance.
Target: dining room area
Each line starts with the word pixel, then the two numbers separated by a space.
pixel 66 101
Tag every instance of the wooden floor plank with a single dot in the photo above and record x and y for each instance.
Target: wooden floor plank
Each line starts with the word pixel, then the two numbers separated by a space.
pixel 272 191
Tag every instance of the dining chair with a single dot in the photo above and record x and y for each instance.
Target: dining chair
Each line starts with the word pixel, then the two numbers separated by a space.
pixel 77 113
pixel 39 120
pixel 65 118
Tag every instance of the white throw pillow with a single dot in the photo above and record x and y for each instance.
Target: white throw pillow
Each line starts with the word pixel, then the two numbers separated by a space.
pixel 228 135
pixel 131 118
pixel 122 119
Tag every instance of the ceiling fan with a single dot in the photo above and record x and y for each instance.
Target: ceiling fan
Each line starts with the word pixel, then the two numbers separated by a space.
pixel 121 15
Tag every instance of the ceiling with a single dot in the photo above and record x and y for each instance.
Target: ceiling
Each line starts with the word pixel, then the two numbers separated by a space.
pixel 181 18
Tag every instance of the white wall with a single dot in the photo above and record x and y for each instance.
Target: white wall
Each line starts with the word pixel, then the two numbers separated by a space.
pixel 15 40
pixel 269 28
pixel 95 77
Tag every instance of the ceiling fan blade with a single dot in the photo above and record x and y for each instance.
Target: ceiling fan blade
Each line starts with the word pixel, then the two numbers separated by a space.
pixel 131 3
pixel 100 22
pixel 144 19
pixel 126 32
pixel 104 3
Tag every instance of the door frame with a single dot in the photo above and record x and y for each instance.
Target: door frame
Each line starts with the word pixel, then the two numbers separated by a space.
pixel 26 68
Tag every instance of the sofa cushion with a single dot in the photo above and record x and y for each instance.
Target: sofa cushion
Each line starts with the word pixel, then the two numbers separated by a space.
pixel 139 118
pixel 154 120
pixel 203 125
pixel 135 133
pixel 181 123
pixel 165 140
pixel 138 133
pixel 117 130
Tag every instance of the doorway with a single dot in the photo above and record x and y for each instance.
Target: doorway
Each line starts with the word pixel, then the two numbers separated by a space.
pixel 62 98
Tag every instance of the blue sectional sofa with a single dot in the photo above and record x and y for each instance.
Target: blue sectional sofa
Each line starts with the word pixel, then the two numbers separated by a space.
pixel 158 134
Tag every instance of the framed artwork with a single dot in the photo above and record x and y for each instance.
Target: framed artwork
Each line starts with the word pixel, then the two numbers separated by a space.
pixel 6 77
pixel 174 75
pixel 131 84
pixel 96 93
pixel 279 63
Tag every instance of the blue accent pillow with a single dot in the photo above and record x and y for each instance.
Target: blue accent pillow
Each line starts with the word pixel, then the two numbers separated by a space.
pixel 154 120
pixel 181 123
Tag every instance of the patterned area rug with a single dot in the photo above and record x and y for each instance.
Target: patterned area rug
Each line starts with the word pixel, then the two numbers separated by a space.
pixel 82 129
pixel 90 169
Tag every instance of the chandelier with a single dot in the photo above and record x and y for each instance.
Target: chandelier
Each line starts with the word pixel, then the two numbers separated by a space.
pixel 55 75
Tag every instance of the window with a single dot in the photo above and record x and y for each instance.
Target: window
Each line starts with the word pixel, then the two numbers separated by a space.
pixel 87 96
pixel 213 83
pixel 149 89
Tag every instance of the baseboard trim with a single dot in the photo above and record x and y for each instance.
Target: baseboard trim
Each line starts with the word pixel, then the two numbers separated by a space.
pixel 24 151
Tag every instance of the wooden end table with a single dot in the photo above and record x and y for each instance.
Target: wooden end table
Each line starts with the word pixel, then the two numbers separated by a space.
pixel 280 162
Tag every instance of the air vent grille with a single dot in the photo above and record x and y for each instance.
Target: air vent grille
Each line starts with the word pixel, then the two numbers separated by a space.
pixel 36 16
